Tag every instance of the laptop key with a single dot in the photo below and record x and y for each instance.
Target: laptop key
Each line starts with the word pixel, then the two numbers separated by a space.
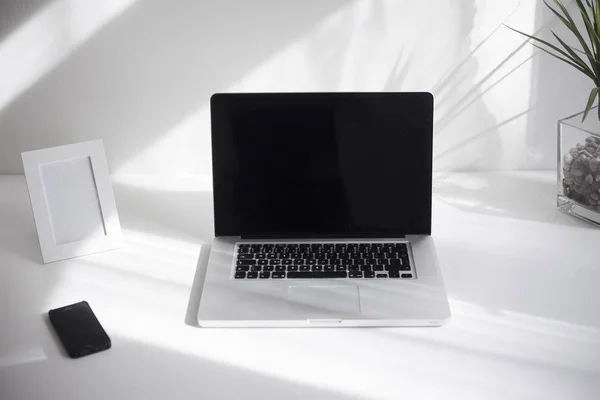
pixel 316 275
pixel 252 275
pixel 278 275
pixel 304 268
pixel 293 267
pixel 355 274
pixel 394 274
pixel 369 274
pixel 407 275
pixel 381 275
pixel 263 262
pixel 268 268
pixel 240 275
pixel 245 256
pixel 265 275
pixel 280 268
pixel 256 268
pixel 242 268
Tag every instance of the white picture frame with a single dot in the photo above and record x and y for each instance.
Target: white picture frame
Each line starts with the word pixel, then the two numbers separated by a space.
pixel 72 200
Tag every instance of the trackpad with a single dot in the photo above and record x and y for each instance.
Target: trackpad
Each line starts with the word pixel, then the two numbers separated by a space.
pixel 343 298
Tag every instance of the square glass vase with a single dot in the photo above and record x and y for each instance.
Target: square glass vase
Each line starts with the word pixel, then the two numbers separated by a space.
pixel 579 166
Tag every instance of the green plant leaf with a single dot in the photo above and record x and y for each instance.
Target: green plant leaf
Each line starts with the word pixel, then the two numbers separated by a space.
pixel 558 15
pixel 566 61
pixel 569 49
pixel 573 52
pixel 594 39
pixel 570 23
pixel 590 102
pixel 597 16
pixel 584 68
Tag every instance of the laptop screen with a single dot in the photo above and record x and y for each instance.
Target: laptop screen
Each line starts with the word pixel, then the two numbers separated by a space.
pixel 322 164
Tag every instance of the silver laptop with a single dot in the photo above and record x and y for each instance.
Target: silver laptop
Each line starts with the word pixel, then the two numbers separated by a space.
pixel 322 207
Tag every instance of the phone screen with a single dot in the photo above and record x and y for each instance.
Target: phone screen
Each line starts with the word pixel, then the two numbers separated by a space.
pixel 79 329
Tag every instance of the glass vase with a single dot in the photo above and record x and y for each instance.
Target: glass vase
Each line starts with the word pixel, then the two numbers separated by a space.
pixel 579 166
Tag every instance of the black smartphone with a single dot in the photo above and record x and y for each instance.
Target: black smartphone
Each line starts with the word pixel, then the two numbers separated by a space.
pixel 79 330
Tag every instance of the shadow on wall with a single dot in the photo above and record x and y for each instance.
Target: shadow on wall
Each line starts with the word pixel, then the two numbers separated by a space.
pixel 13 13
pixel 467 131
pixel 146 70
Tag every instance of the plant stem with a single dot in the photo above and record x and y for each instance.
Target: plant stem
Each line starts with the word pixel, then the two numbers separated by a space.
pixel 598 109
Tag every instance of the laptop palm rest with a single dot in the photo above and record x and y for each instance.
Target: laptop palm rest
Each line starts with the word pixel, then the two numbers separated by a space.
pixel 325 300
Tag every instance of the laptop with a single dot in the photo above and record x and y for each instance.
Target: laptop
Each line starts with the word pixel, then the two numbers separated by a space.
pixel 322 211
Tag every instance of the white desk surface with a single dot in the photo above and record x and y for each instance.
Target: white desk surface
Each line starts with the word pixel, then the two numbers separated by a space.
pixel 523 281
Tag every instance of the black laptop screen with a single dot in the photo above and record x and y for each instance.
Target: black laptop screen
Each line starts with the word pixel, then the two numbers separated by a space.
pixel 322 164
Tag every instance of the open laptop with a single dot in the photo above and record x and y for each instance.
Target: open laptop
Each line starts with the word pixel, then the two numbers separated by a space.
pixel 322 207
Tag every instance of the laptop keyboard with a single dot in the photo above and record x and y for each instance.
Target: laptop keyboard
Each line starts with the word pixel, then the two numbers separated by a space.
pixel 368 260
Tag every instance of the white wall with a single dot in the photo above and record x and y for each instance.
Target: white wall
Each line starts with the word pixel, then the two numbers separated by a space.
pixel 139 73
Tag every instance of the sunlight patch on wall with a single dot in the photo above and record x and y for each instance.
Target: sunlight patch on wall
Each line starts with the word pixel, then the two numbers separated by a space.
pixel 43 41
